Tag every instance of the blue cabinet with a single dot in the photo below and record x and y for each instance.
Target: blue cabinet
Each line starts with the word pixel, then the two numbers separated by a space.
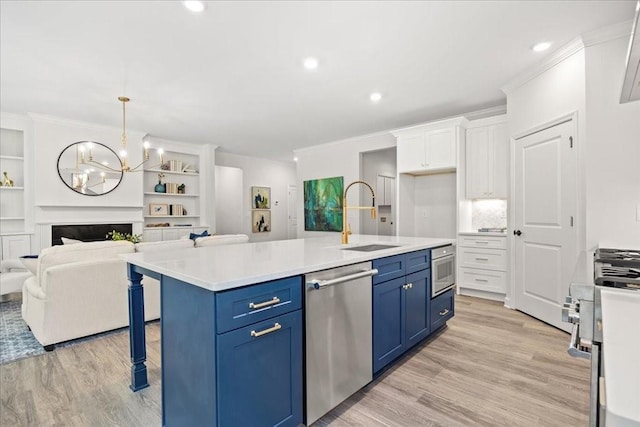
pixel 441 309
pixel 400 306
pixel 232 358
pixel 261 373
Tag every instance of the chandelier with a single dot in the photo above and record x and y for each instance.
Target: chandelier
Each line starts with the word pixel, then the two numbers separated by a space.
pixel 123 149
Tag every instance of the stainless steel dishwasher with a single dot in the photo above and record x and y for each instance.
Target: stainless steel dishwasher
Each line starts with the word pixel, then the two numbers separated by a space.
pixel 338 335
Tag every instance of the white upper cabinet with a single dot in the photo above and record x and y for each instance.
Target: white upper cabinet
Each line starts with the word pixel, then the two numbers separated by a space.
pixel 386 191
pixel 429 148
pixel 487 159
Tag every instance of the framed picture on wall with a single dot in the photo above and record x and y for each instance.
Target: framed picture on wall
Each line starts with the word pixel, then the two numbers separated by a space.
pixel 260 198
pixel 261 220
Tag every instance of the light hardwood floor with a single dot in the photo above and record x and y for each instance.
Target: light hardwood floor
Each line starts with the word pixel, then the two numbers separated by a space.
pixel 490 366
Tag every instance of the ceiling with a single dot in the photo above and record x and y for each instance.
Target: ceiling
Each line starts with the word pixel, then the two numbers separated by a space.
pixel 233 76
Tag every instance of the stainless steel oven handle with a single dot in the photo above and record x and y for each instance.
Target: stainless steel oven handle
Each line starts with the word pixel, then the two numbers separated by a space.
pixel 573 344
pixel 317 284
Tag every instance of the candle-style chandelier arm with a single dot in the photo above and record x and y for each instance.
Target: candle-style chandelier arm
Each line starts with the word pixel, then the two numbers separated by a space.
pixel 100 166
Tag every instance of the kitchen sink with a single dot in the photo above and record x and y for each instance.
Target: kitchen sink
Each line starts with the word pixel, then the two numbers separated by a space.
pixel 370 248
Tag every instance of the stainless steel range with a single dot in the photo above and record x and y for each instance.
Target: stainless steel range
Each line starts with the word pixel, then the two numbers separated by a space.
pixel 597 270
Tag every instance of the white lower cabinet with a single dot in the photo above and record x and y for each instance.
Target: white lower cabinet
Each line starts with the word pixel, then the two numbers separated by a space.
pixel 151 234
pixel 16 245
pixel 483 280
pixel 482 262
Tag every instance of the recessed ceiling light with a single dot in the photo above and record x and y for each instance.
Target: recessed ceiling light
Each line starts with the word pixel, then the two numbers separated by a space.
pixel 310 63
pixel 194 6
pixel 375 97
pixel 540 47
pixel 295 159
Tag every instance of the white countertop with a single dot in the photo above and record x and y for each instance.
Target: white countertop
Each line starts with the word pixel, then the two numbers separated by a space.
pixel 219 268
pixel 621 342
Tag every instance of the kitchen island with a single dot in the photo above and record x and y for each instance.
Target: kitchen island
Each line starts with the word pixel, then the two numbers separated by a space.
pixel 210 339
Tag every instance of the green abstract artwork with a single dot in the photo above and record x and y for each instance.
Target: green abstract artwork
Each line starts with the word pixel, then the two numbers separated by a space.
pixel 323 204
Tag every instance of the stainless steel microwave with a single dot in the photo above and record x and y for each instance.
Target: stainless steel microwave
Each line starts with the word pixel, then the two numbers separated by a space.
pixel 443 269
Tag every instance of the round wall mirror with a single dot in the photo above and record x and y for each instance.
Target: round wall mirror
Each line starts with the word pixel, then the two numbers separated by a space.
pixel 90 168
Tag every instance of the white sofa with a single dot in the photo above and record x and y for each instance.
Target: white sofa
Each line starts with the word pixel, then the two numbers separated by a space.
pixel 82 289
pixel 12 276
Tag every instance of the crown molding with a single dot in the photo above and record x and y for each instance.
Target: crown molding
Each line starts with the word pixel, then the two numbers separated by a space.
pixel 608 33
pixel 564 52
pixel 590 38
pixel 487 112
pixel 456 121
pixel 341 141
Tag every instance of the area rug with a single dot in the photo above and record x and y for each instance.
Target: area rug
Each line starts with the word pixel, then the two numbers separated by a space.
pixel 16 340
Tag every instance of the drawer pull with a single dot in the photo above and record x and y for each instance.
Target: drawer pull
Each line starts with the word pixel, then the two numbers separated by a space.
pixel 481 280
pixel 444 312
pixel 274 328
pixel 482 259
pixel 480 242
pixel 273 301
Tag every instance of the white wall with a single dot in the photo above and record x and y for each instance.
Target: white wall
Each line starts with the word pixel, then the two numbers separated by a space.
pixel 435 205
pixel 264 173
pixel 558 91
pixel 612 158
pixel 55 203
pixel 340 158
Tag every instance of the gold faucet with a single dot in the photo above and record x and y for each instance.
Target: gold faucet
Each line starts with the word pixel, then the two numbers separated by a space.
pixel 345 230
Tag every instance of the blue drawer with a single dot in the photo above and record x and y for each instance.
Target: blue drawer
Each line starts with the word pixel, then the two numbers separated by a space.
pixel 241 307
pixel 418 260
pixel 389 268
pixel 441 309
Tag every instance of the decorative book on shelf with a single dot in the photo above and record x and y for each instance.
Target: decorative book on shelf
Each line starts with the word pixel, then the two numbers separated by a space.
pixel 177 210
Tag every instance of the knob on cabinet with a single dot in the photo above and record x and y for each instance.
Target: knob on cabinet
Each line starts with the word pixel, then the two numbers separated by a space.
pixel 517 232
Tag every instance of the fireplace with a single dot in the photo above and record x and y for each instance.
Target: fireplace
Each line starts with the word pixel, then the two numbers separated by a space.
pixel 86 232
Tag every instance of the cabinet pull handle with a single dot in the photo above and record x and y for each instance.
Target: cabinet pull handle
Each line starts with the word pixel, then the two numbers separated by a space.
pixel 444 312
pixel 481 280
pixel 273 301
pixel 407 286
pixel 274 328
pixel 482 242
pixel 482 259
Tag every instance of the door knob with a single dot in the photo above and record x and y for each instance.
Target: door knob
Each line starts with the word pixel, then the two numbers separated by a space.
pixel 517 232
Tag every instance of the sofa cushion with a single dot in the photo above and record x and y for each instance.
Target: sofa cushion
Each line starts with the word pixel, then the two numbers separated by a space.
pixel 68 241
pixel 222 239
pixel 30 262
pixel 194 236
pixel 63 254
pixel 164 245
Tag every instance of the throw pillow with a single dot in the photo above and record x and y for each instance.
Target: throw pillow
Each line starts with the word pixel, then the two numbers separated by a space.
pixel 194 236
pixel 67 241
pixel 30 262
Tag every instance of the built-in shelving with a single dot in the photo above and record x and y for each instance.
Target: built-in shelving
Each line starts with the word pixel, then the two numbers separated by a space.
pixel 151 193
pixel 15 241
pixel 178 156
pixel 172 216
pixel 172 172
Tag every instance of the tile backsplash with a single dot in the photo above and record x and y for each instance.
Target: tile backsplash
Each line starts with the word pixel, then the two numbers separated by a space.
pixel 489 214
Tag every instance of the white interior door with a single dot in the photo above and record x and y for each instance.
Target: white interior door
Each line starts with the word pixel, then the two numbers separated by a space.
pixel 229 218
pixel 292 201
pixel 544 229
